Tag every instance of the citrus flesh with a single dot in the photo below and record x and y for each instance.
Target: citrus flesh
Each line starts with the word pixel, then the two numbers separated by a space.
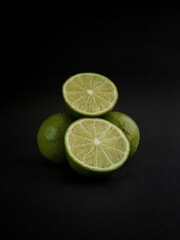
pixel 95 147
pixel 128 126
pixel 89 94
pixel 50 137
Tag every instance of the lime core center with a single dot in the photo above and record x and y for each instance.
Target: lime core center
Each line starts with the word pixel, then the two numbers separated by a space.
pixel 90 92
pixel 96 141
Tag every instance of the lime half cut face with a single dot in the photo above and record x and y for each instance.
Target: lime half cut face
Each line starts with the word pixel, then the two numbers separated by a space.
pixel 90 94
pixel 95 146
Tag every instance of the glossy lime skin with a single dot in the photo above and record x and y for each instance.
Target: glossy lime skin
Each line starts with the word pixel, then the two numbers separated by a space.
pixel 50 137
pixel 128 126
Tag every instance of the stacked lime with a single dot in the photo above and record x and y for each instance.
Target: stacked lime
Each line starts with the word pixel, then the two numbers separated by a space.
pixel 90 94
pixel 100 141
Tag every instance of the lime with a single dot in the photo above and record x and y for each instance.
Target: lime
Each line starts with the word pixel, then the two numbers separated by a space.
pixel 50 137
pixel 89 94
pixel 129 127
pixel 95 147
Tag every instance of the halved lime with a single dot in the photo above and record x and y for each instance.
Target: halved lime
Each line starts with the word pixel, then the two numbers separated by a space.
pixel 89 94
pixel 95 147
pixel 129 127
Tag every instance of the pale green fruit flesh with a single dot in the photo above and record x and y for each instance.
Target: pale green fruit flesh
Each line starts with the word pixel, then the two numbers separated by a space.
pixel 89 94
pixel 95 146
pixel 129 127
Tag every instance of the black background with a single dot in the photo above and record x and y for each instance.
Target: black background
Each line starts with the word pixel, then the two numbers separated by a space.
pixel 138 48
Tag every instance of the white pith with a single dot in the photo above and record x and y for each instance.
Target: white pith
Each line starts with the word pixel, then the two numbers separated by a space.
pixel 96 141
pixel 90 92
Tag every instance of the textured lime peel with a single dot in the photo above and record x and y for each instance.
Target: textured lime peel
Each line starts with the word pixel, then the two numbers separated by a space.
pixel 95 146
pixel 90 94
pixel 129 127
pixel 50 137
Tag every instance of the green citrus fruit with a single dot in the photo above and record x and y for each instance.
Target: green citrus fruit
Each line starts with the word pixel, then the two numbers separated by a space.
pixel 89 94
pixel 95 147
pixel 50 137
pixel 129 127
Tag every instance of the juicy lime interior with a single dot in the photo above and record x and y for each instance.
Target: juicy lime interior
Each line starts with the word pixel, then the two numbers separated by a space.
pixel 90 93
pixel 97 144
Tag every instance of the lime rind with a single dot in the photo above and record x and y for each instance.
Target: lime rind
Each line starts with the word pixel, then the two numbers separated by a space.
pixel 79 113
pixel 86 170
pixel 128 126
pixel 50 136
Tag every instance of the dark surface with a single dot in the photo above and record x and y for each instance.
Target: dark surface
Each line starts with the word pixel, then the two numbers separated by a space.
pixel 138 48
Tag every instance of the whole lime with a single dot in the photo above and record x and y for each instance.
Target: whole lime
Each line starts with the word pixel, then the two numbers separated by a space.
pixel 128 126
pixel 50 137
